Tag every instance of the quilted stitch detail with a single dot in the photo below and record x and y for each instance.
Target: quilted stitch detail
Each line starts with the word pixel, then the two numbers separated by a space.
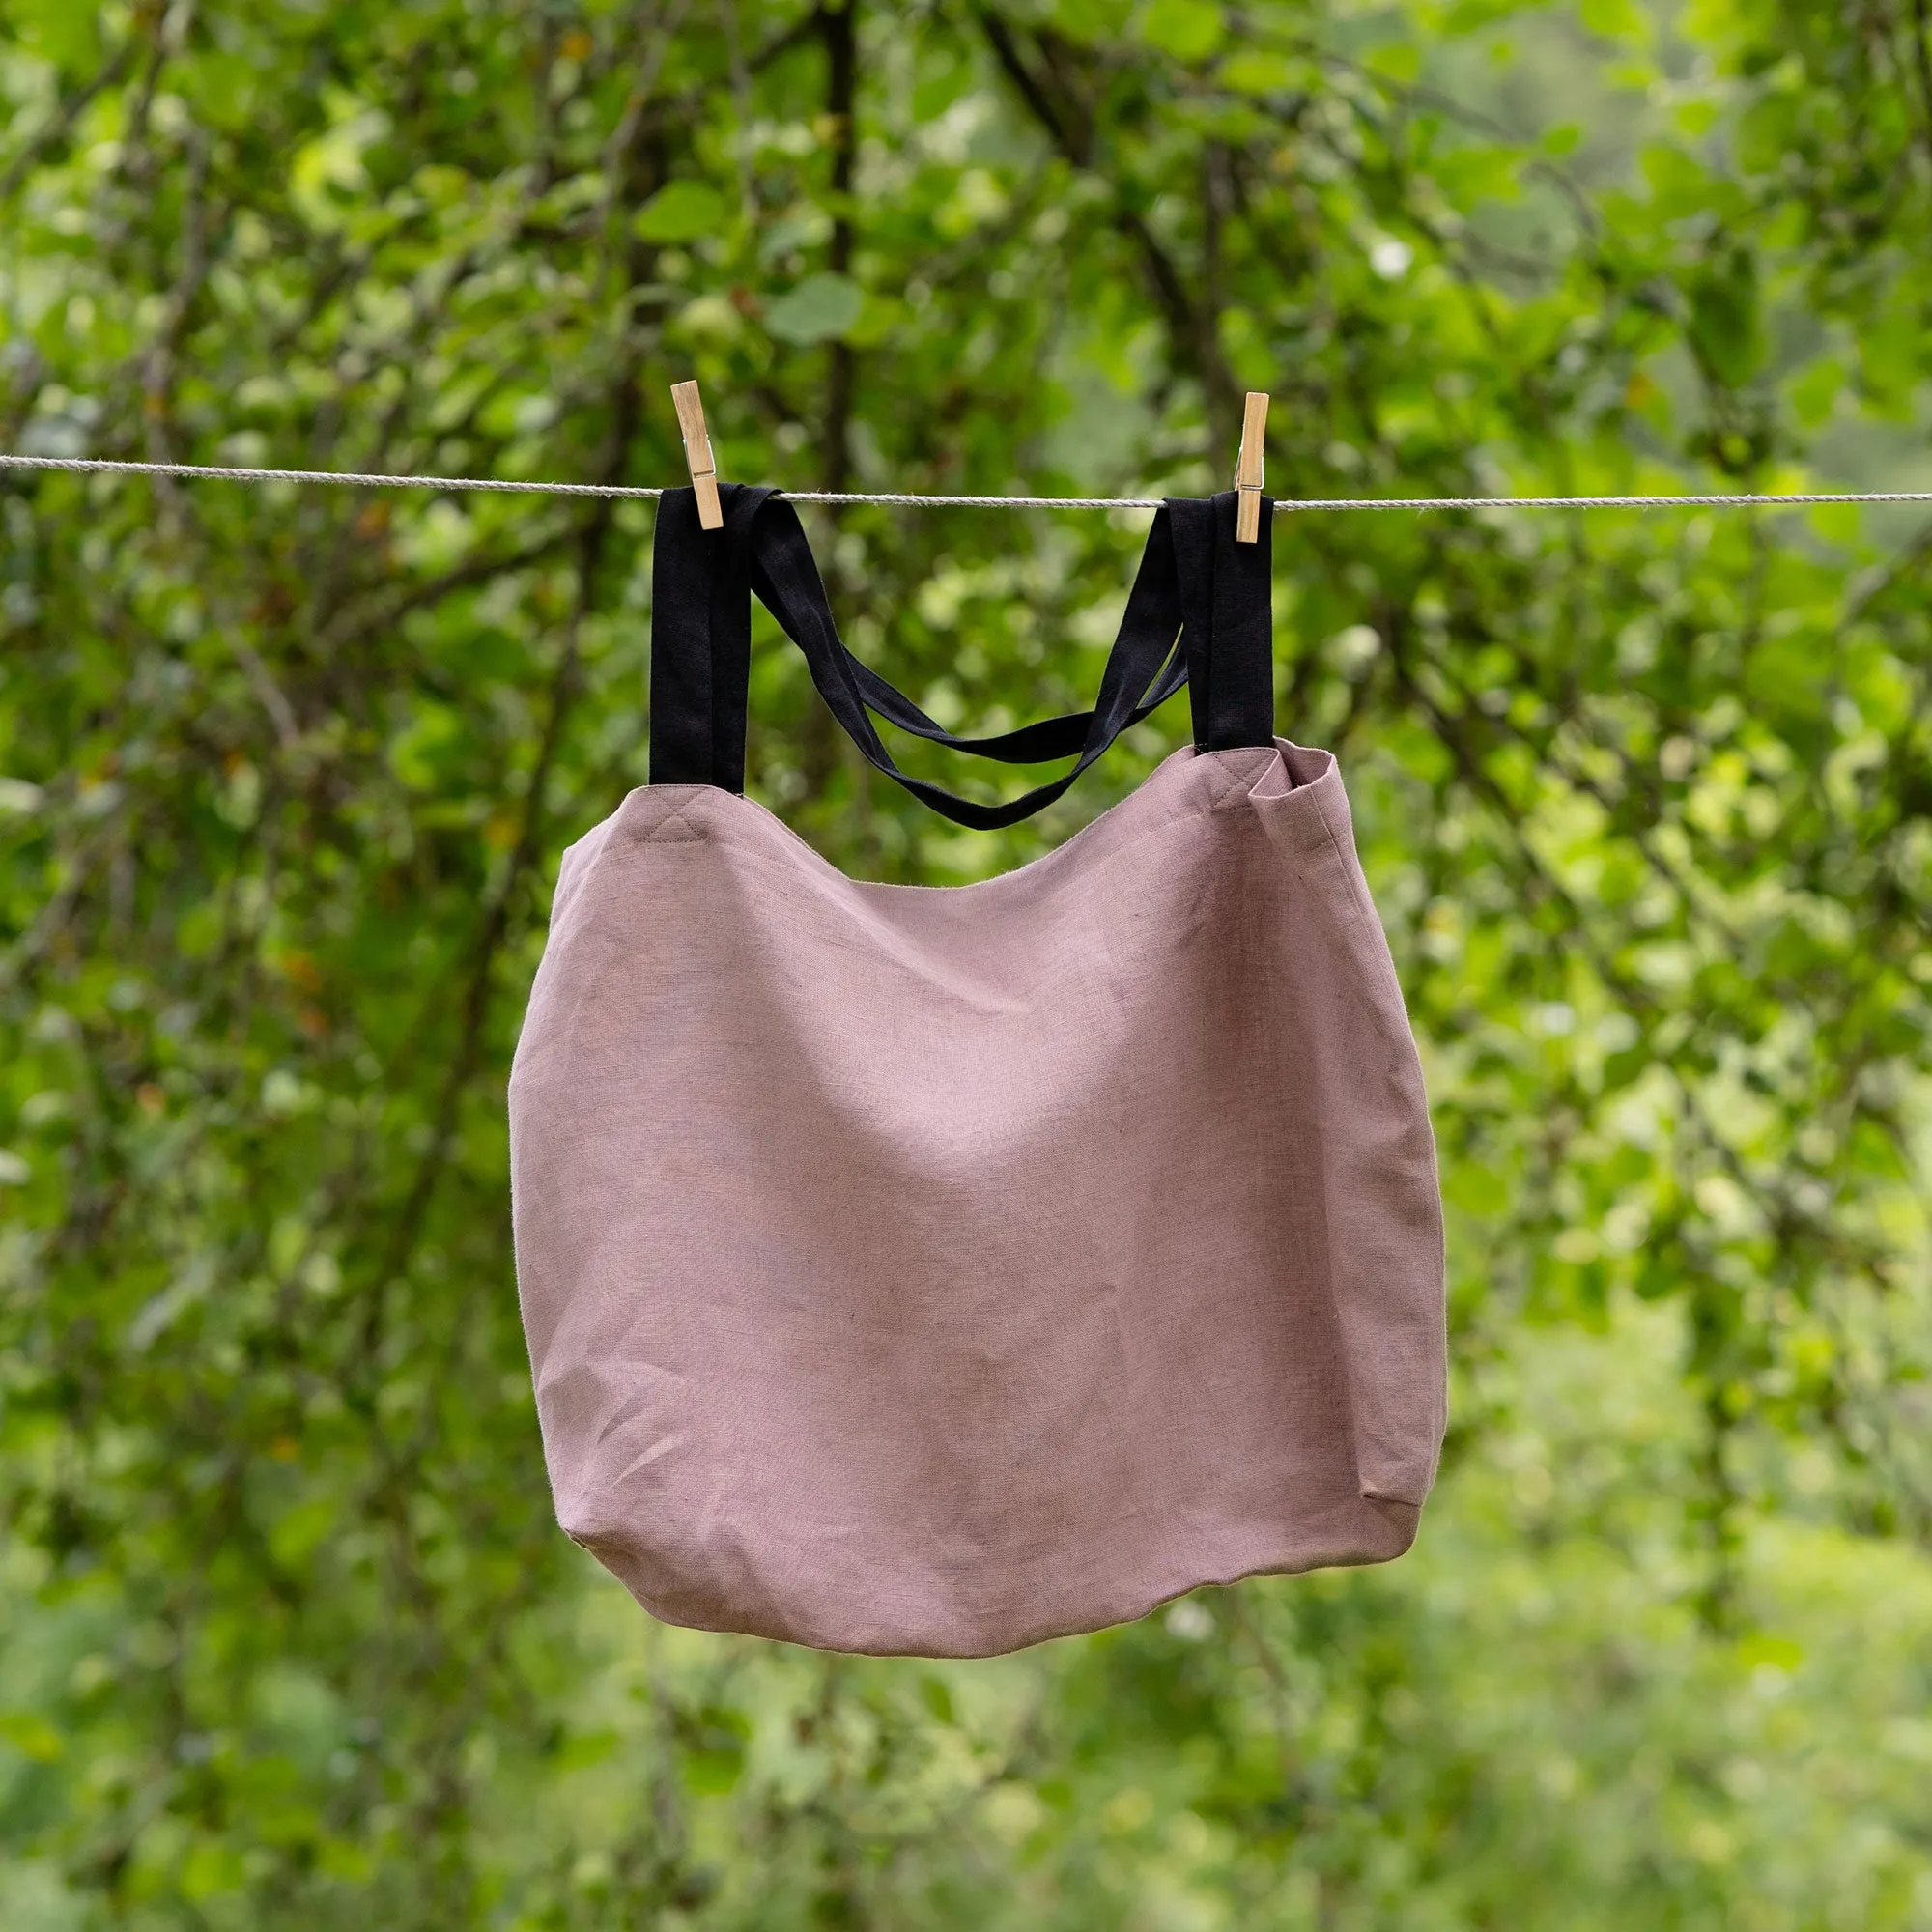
pixel 687 834
pixel 1236 775
pixel 660 819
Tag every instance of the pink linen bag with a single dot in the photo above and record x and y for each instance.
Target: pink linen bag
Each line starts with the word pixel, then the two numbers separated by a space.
pixel 934 1272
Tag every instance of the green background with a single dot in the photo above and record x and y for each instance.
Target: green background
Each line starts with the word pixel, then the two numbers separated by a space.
pixel 287 1634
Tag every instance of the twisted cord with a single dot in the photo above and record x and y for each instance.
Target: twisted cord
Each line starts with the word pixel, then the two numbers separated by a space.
pixel 237 473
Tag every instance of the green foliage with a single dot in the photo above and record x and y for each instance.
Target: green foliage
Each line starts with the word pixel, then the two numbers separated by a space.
pixel 1646 801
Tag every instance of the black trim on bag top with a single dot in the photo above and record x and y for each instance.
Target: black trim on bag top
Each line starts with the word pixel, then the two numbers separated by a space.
pixel 1199 613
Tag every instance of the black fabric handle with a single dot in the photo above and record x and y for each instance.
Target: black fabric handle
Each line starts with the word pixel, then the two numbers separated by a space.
pixel 1036 744
pixel 701 641
pixel 1195 586
pixel 1228 608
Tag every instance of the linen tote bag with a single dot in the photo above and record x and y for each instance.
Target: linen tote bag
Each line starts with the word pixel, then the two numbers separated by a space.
pixel 936 1270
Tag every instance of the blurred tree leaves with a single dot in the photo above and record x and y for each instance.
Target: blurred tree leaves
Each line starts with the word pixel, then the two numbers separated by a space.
pixel 1726 325
pixel 1646 803
pixel 681 210
pixel 819 308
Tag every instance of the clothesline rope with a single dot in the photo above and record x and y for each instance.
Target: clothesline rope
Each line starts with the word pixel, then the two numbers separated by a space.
pixel 235 473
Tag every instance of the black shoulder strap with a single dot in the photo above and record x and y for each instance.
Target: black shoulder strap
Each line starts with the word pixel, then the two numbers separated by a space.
pixel 701 640
pixel 1227 604
pixel 1194 579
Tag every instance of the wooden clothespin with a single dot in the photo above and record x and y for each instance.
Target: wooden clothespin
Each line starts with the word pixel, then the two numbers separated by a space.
pixel 1248 468
pixel 697 453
